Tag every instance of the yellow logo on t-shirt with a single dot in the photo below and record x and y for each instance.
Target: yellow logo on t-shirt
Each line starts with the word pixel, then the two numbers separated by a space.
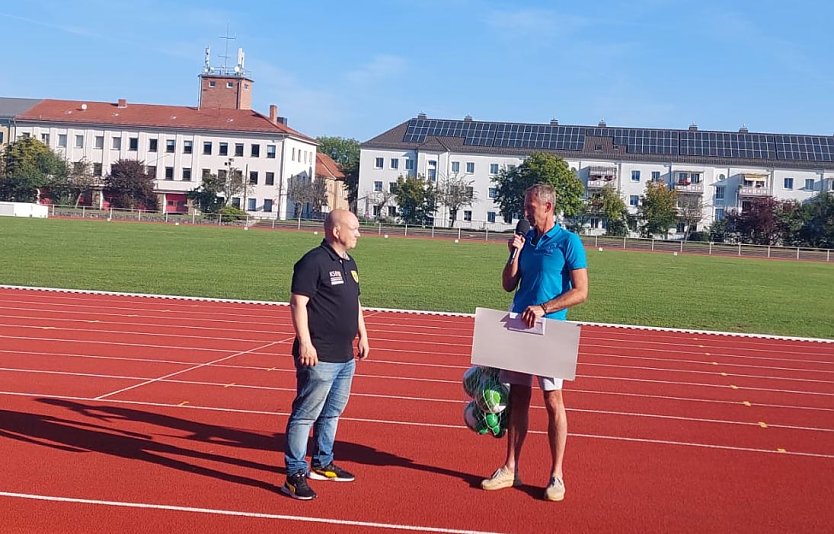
pixel 355 276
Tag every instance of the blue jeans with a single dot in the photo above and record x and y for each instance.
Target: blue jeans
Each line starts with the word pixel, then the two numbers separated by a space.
pixel 322 392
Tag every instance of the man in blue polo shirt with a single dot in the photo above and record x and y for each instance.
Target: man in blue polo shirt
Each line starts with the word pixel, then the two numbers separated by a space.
pixel 327 317
pixel 549 274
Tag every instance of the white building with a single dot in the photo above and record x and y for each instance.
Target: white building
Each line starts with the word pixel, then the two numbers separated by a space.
pixel 180 144
pixel 723 169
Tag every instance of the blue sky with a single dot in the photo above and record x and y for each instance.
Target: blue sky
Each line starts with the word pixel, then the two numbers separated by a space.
pixel 356 69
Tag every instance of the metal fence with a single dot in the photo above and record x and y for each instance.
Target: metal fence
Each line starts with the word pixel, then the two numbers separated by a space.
pixel 457 234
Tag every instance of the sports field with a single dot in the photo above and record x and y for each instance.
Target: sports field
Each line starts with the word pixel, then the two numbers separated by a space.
pixel 651 289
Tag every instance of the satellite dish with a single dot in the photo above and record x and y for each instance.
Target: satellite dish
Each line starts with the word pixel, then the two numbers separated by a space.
pixel 83 107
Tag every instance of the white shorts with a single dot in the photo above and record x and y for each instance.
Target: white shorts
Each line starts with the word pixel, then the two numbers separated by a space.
pixel 546 383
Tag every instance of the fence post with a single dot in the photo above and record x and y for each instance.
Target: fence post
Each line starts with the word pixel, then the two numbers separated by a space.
pixel 220 220
pixel 768 251
pixel 710 248
pixel 273 222
pixel 652 245
pixel 83 210
pixel 596 241
pixel 406 230
pixel 486 234
pixel 140 215
pixel 379 228
pixel 299 222
pixel 681 245
pixel 166 216
pixel 797 252
pixel 624 242
pixel 111 214
pixel 193 217
pixel 458 233
pixel 739 249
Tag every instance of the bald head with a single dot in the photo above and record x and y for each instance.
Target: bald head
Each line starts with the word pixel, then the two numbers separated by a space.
pixel 341 229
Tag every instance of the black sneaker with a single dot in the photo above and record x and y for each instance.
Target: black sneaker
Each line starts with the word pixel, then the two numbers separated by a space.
pixel 296 487
pixel 331 472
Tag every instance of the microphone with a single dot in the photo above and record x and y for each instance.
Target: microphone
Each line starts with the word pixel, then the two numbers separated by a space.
pixel 521 228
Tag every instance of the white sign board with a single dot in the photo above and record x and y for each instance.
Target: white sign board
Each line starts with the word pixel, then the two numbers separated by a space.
pixel 548 349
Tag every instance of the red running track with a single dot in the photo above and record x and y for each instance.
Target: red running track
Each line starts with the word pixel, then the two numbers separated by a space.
pixel 140 414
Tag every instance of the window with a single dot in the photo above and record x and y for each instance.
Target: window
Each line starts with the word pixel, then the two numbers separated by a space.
pixel 392 186
pixel 719 214
pixel 268 205
pixel 455 167
pixel 224 149
pixel 187 147
pixel 378 186
pixel 256 151
pixel 376 211
pixel 633 200
pixel 683 178
pixel 169 173
pixel 470 167
pixel 680 227
pixel 206 173
pixel 270 152
pixel 253 177
pixel 788 183
pixel 467 215
pixel 493 192
pixel 221 174
pixel 392 211
pixel 239 150
pixel 719 192
pixel 491 216
pixel 432 174
pixel 170 146
pixel 212 83
pixel 409 164
pixel 153 145
pixel 809 184
pixel 635 176
pixel 150 170
pixel 186 174
pixel 378 163
pixel 62 140
pixel 293 154
pixel 395 163
pixel 493 168
pixel 2 137
pixel 470 192
pixel 133 144
pixel 251 204
pixel 79 141
pixel 655 176
pixel 207 148
pixel 117 143
pixel 99 141
pixel 229 85
pixel 695 177
pixel 236 202
pixel 270 179
pixel 97 169
pixel 44 139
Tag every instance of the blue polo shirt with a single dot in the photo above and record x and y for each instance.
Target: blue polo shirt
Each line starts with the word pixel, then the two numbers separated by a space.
pixel 546 267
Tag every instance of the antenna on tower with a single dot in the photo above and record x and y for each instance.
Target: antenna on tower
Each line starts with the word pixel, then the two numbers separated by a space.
pixel 226 53
pixel 207 65
pixel 240 59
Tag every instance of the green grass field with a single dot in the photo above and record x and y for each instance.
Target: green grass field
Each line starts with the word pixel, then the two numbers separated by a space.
pixel 684 291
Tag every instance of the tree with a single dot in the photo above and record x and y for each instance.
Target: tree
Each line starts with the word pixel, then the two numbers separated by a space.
pixel 658 210
pixel 233 184
pixel 306 192
pixel 690 213
pixel 818 227
pixel 208 197
pixel 539 167
pixel 610 207
pixel 345 152
pixel 129 186
pixel 455 192
pixel 28 167
pixel 416 199
pixel 758 223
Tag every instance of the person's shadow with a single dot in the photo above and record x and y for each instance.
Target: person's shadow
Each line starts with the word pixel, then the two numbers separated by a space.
pixel 101 434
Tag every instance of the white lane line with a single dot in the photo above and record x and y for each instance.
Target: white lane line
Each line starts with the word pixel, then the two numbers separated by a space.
pixel 169 375
pixel 253 515
pixel 714 372
pixel 415 423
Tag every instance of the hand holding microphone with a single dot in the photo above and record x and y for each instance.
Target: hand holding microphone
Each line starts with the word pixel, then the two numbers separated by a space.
pixel 521 229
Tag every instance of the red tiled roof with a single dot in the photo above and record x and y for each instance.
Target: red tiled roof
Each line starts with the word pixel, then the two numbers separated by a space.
pixel 327 168
pixel 154 116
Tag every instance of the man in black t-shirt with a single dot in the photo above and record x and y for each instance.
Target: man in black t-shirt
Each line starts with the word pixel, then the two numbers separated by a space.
pixel 327 317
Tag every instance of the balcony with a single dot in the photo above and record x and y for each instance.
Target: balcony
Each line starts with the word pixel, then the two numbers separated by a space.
pixel 689 188
pixel 599 183
pixel 755 191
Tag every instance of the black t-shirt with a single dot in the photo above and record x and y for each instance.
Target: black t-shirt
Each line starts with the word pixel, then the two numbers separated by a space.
pixel 332 284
